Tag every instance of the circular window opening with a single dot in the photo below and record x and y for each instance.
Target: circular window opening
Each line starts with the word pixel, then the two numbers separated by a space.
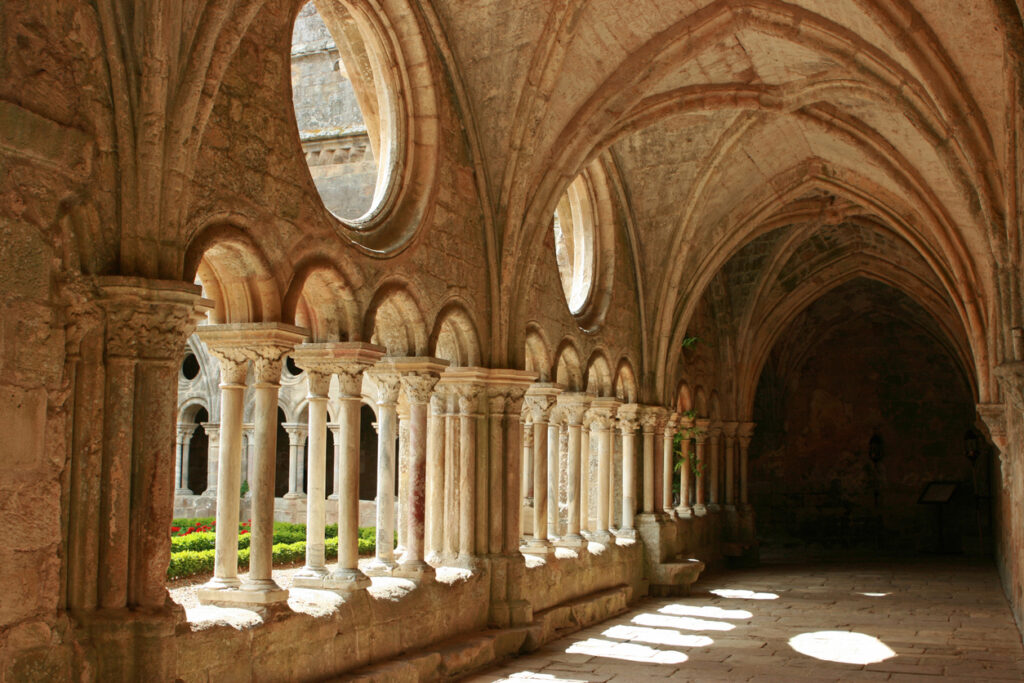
pixel 346 113
pixel 190 366
pixel 575 244
pixel 293 369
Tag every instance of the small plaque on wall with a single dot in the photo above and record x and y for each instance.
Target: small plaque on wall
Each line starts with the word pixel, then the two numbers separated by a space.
pixel 938 492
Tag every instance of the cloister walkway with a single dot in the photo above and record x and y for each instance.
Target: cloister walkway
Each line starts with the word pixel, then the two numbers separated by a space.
pixel 918 620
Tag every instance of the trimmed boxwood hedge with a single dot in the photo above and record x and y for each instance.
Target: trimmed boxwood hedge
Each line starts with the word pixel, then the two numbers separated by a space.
pixel 193 553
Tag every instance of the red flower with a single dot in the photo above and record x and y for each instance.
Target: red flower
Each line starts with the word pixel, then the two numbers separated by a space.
pixel 244 531
pixel 175 528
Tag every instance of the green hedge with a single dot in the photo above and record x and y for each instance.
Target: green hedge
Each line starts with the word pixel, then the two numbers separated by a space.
pixel 198 559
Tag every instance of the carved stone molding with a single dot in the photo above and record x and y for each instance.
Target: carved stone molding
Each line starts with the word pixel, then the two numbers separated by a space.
pixel 419 388
pixel 265 344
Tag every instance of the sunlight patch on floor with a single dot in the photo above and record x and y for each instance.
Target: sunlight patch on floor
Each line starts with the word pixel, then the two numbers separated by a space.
pixel 709 611
pixel 743 594
pixel 656 636
pixel 682 623
pixel 844 647
pixel 627 652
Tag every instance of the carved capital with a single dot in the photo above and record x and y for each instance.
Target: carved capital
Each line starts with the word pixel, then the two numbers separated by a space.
pixel 386 387
pixel 1011 381
pixel 234 366
pixel 146 319
pixel 267 361
pixel 419 387
pixel 539 406
pixel 319 383
pixel 467 396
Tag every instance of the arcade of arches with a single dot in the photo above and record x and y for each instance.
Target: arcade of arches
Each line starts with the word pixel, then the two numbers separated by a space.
pixel 579 299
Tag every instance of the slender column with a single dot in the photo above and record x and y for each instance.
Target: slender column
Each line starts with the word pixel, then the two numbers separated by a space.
pixel 700 439
pixel 296 436
pixel 497 400
pixel 467 473
pixel 336 473
pixel 212 457
pixel 402 523
pixel 316 503
pixel 435 480
pixel 574 406
pixel 184 439
pixel 451 476
pixel 588 452
pixel 659 464
pixel 540 398
pixel 267 361
pixel 684 510
pixel 248 455
pixel 668 461
pixel 628 417
pixel 527 482
pixel 348 361
pixel 603 412
pixel 418 388
pixel 648 421
pixel 745 433
pixel 714 467
pixel 730 430
pixel 387 385
pixel 554 464
pixel 233 369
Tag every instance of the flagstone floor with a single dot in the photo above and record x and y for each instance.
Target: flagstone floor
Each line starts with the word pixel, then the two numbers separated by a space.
pixel 920 620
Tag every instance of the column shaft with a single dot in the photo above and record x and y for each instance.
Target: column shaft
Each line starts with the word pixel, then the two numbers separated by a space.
pixel 552 480
pixel 316 502
pixel 648 507
pixel 628 474
pixel 540 475
pixel 573 476
pixel 435 480
pixel 261 546
pixel 225 568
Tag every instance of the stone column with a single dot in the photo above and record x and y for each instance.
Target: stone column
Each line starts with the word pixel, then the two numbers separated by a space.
pixel 184 435
pixel 468 415
pixel 668 461
pixel 540 398
pixel 574 406
pixel 319 383
pixel 714 467
pixel 628 420
pixel 336 473
pixel 296 439
pixel 212 457
pixel 648 421
pixel 402 472
pixel 588 471
pixel 730 430
pixel 418 385
pixel 451 475
pixel 265 344
pixel 684 510
pixel 526 482
pixel 746 432
pixel 124 338
pixel 233 368
pixel 554 465
pixel 387 383
pixel 700 439
pixel 435 480
pixel 602 416
pixel 248 455
pixel 348 360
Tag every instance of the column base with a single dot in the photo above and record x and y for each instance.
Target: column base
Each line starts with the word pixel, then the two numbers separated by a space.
pixel 538 546
pixel 222 584
pixel 293 496
pixel 670 513
pixel 464 561
pixel 209 493
pixel 684 512
pixel 313 573
pixel 699 510
pixel 340 581
pixel 256 596
pixel 714 507
pixel 183 492
pixel 729 507
pixel 604 537
pixel 333 496
pixel 380 567
pixel 626 533
pixel 420 571
pixel 573 541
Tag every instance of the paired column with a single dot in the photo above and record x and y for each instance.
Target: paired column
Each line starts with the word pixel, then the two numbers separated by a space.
pixel 526 481
pixel 714 457
pixel 540 398
pixel 402 472
pixel 336 473
pixel 588 454
pixel 684 510
pixel 746 432
pixel 296 440
pixel 730 429
pixel 628 420
pixel 700 440
pixel 603 413
pixel 554 467
pixel 212 458
pixel 418 385
pixel 386 385
pixel 182 443
pixel 265 344
pixel 668 461
pixel 649 418
pixel 435 480
pixel 318 379
pixel 573 405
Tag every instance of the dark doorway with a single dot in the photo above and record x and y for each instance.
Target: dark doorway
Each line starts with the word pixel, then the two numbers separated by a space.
pixel 198 455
